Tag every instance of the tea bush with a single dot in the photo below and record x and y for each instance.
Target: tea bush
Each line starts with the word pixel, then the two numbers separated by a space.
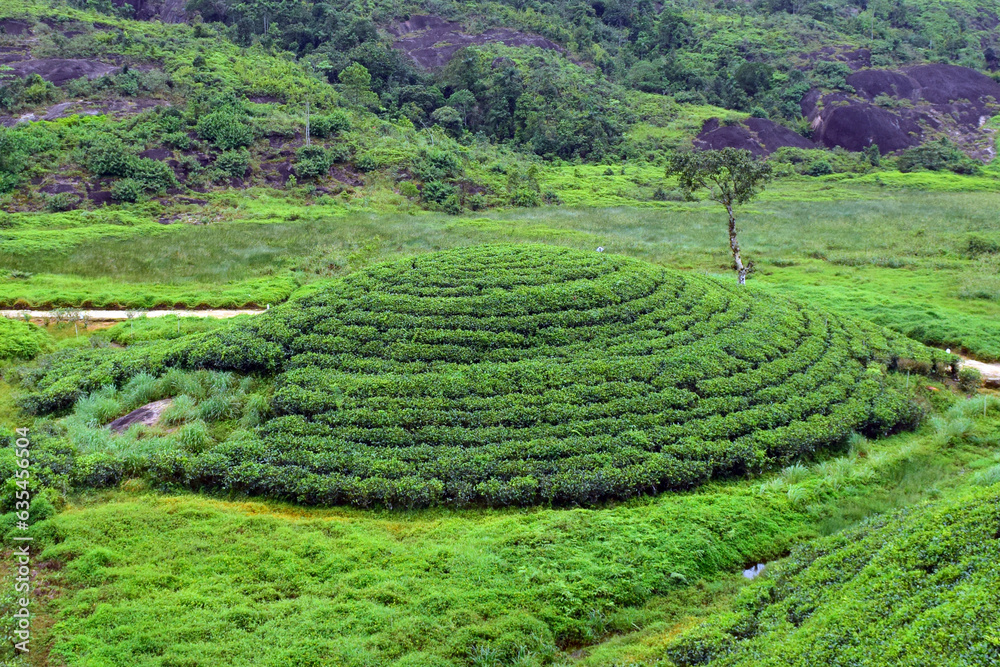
pixel 516 375
pixel 22 340
pixel 915 588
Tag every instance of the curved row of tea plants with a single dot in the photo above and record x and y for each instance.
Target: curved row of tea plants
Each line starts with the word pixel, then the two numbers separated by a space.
pixel 517 375
pixel 914 588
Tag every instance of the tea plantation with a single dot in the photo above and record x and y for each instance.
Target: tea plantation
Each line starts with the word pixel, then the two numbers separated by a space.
pixel 514 375
pixel 916 588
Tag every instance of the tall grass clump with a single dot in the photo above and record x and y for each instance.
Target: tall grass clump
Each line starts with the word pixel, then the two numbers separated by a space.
pixel 22 340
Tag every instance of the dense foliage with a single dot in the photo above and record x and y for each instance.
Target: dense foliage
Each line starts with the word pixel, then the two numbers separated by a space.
pixel 518 375
pixel 741 56
pixel 914 588
pixel 21 340
pixel 937 156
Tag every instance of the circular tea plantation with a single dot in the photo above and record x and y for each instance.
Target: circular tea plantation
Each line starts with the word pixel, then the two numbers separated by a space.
pixel 513 375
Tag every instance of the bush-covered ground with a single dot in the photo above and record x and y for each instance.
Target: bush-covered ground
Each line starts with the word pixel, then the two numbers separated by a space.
pixel 185 178
pixel 150 579
pixel 498 375
pixel 911 588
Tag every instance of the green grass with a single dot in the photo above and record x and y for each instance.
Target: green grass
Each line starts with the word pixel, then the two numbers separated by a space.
pixel 895 256
pixel 150 579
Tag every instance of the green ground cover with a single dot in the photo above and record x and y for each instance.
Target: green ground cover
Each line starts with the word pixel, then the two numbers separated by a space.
pixel 152 579
pixel 515 145
pixel 619 584
pixel 910 588
pixel 923 263
pixel 498 375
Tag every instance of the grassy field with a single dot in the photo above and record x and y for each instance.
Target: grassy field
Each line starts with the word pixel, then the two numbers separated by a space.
pixel 155 579
pixel 903 258
pixel 144 575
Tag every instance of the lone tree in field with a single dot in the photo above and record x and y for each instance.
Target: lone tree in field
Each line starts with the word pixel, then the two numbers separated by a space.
pixel 732 177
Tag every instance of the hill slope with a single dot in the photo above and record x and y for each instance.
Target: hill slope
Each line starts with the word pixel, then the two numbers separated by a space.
pixel 511 375
pixel 915 588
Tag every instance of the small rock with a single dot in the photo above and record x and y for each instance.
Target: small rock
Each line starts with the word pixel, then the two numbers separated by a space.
pixel 147 415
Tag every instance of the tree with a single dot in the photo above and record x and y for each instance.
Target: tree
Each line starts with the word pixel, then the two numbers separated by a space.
pixel 732 177
pixel 449 118
pixel 356 82
pixel 754 78
pixel 464 101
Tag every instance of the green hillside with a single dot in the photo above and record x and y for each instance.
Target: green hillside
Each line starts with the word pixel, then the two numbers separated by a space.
pixel 912 588
pixel 496 375
pixel 492 396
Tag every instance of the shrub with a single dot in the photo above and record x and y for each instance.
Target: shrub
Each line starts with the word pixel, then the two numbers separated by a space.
pixel 969 379
pixel 525 197
pixel 937 156
pixel 28 91
pixel 819 168
pixel 109 157
pixel 312 161
pixel 152 174
pixel 329 125
pixel 832 75
pixel 551 198
pixel 127 190
pixel 179 140
pixel 227 128
pixel 61 201
pixel 22 340
pixel 436 192
pixel 437 165
pixel 368 161
pixel 409 189
pixel 233 163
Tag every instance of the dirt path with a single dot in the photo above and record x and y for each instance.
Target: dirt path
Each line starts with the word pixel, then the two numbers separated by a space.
pixel 990 372
pixel 114 315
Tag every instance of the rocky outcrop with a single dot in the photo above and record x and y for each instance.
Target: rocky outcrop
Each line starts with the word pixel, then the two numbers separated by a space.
pixel 431 41
pixel 147 415
pixel 61 71
pixel 760 136
pixel 898 109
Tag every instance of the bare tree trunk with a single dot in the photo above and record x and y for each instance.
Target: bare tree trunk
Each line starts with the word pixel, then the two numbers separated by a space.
pixel 734 245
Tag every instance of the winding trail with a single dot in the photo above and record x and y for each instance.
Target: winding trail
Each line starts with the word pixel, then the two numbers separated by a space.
pixel 115 315
pixel 990 372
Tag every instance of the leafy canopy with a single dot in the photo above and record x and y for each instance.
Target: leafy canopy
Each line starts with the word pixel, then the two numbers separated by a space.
pixel 731 176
